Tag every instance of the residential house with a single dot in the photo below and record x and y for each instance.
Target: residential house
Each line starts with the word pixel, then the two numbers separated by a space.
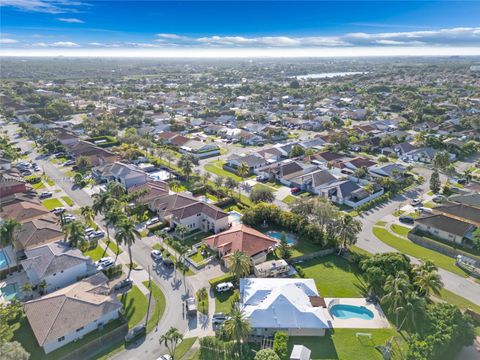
pixel 23 211
pixel 287 170
pixel 126 174
pixel 393 171
pixel 424 154
pixel 291 305
pixel 350 193
pixel 95 155
pixel 445 228
pixel 200 149
pixel 242 238
pixel 314 181
pixel 253 161
pixel 36 232
pixel 11 182
pixel 56 264
pixel 272 268
pixel 5 164
pixel 71 313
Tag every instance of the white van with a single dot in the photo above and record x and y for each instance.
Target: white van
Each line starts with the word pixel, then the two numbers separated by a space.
pixel 225 286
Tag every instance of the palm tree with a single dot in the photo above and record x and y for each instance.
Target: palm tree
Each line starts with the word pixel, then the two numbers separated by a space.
pixel 219 180
pixel 88 214
pixel 42 285
pixel 112 217
pixel 231 184
pixel 237 327
pixel 203 296
pixel 239 264
pixel 396 290
pixel 27 287
pixel 101 202
pixel 186 165
pixel 426 279
pixel 116 190
pixel 242 170
pixel 7 231
pixel 75 233
pixel 181 230
pixel 347 229
pixel 127 234
pixel 171 339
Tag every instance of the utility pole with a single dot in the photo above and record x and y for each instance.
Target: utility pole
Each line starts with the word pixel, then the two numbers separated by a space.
pixel 149 296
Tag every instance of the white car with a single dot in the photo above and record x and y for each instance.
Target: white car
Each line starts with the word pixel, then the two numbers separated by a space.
pixel 152 221
pixel 89 231
pixel 165 357
pixel 105 264
pixel 156 255
pixel 96 235
pixel 45 194
pixel 225 286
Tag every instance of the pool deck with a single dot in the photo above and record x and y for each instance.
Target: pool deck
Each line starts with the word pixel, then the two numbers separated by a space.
pixel 9 253
pixel 379 320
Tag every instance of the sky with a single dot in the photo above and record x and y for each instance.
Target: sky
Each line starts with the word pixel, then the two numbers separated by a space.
pixel 239 28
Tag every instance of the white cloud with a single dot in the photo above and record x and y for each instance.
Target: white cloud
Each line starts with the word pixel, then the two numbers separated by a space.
pixel 65 44
pixel 171 36
pixel 71 20
pixel 44 6
pixel 8 41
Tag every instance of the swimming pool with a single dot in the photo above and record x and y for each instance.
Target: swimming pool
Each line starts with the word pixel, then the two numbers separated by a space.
pixel 3 260
pixel 10 292
pixel 344 311
pixel 291 238
pixel 235 217
pixel 161 175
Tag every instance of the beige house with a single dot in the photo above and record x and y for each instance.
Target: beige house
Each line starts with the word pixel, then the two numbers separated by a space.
pixel 272 268
pixel 69 314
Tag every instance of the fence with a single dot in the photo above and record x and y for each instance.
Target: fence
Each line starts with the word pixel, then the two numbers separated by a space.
pixel 441 248
pixel 313 255
pixel 96 346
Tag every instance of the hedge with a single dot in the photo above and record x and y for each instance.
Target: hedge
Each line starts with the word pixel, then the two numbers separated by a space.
pixel 224 278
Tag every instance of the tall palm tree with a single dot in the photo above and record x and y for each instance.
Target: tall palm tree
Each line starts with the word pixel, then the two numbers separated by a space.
pixel 186 165
pixel 347 229
pixel 7 231
pixel 181 230
pixel 426 279
pixel 88 214
pixel 112 217
pixel 396 290
pixel 242 170
pixel 238 327
pixel 127 234
pixel 171 339
pixel 239 264
pixel 116 190
pixel 75 233
pixel 101 202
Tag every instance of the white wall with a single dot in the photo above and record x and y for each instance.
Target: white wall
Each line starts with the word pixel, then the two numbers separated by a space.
pixel 66 277
pixel 74 335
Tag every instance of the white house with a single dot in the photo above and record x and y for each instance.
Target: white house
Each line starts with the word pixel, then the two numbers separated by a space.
pixel 57 264
pixel 200 149
pixel 69 314
pixel 290 305
pixel 126 174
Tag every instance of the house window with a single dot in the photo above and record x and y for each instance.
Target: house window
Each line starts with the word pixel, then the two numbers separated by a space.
pixel 79 329
pixel 60 339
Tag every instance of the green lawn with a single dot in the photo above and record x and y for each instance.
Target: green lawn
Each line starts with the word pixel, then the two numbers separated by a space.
pixel 398 213
pixel 461 302
pixel 49 181
pixel 95 254
pixel 334 276
pixel 198 257
pixel 51 203
pixel 68 201
pixel 134 306
pixel 24 335
pixel 288 199
pixel 113 246
pixel 223 301
pixel 38 186
pixel 303 247
pixel 183 347
pixel 215 167
pixel 409 248
pixel 400 230
pixel 159 309
pixel 265 186
pixel 381 223
pixel 344 345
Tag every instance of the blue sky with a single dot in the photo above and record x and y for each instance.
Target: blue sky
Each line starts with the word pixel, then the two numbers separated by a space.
pixel 37 25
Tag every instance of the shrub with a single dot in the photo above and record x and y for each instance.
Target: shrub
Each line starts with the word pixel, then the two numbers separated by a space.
pixel 280 344
pixel 266 354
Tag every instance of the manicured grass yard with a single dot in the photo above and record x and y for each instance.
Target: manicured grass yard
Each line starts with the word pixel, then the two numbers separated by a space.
pixel 38 186
pixel 461 302
pixel 398 213
pixel 334 276
pixel 215 167
pixel 409 248
pixel 159 309
pixel 113 246
pixel 68 201
pixel 49 181
pixel 400 230
pixel 288 199
pixel 224 300
pixel 95 254
pixel 183 347
pixel 134 305
pixel 198 257
pixel 51 203
pixel 265 186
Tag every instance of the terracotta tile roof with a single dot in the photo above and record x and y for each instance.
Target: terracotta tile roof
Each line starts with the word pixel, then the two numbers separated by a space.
pixel 241 238
pixel 63 311
pixel 23 211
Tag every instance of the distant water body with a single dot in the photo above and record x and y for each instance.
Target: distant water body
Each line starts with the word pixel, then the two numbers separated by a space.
pixel 328 75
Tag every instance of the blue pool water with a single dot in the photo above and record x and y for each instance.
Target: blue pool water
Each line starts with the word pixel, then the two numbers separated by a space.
pixel 235 217
pixel 9 292
pixel 3 260
pixel 291 238
pixel 351 311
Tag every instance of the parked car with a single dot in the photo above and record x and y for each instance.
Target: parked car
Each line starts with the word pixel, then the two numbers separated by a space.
pixel 295 190
pixel 105 265
pixel 406 219
pixel 462 181
pixel 191 306
pixel 438 199
pixel 416 202
pixel 58 210
pixel 36 168
pixel 59 155
pixel 69 162
pixel 89 231
pixel 156 255
pixel 224 286
pixel 45 194
pixel 168 263
pixel 135 333
pixel 25 172
pixel 261 178
pixel 167 229
pixel 152 221
pixel 219 318
pixel 125 283
pixel 68 218
pixel 96 235
pixel 165 357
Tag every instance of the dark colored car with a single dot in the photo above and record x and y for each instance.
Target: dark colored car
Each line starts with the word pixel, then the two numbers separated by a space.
pixel 406 219
pixel 135 333
pixel 168 263
pixel 125 283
